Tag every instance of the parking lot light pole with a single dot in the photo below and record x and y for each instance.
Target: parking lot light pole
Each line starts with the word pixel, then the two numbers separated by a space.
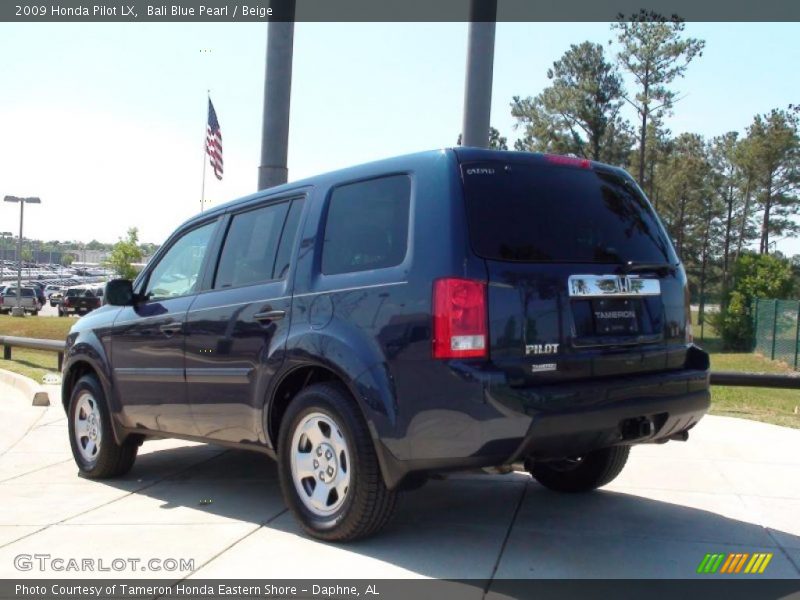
pixel 18 311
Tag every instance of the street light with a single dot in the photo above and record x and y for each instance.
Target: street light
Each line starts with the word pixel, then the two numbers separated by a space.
pixel 18 311
pixel 3 236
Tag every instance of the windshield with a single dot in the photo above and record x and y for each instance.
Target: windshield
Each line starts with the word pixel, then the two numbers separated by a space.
pixel 544 213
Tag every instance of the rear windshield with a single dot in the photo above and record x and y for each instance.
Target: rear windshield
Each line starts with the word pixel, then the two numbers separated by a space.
pixel 26 292
pixel 78 292
pixel 545 213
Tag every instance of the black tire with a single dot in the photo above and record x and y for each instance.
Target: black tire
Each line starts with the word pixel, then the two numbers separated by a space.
pixel 110 458
pixel 367 505
pixel 587 473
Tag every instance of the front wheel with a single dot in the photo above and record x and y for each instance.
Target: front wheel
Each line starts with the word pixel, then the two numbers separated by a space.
pixel 328 468
pixel 94 448
pixel 581 473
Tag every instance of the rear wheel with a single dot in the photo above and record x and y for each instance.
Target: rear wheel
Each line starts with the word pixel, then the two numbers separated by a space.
pixel 582 473
pixel 94 448
pixel 328 468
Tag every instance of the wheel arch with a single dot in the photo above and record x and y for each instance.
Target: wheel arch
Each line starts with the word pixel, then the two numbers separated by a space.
pixel 371 390
pixel 79 366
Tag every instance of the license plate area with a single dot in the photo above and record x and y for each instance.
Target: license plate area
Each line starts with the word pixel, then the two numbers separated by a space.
pixel 616 317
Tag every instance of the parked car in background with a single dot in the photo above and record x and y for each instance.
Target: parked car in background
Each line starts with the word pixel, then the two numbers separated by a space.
pixel 55 298
pixel 38 289
pixel 50 289
pixel 80 300
pixel 29 301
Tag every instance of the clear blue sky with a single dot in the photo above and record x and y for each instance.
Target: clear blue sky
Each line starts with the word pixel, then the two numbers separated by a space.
pixel 106 121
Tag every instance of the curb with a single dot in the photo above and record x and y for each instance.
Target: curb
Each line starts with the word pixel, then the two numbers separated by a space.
pixel 27 386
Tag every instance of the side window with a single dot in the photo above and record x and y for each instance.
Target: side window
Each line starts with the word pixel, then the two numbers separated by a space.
pixel 178 271
pixel 367 225
pixel 251 244
pixel 288 240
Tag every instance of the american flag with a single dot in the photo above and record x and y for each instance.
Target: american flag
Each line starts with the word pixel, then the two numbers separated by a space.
pixel 214 141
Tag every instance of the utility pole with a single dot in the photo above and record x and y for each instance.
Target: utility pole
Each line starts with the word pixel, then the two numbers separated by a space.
pixel 480 67
pixel 277 96
pixel 18 311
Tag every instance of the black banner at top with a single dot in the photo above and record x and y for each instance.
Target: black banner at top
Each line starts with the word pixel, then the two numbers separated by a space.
pixel 199 11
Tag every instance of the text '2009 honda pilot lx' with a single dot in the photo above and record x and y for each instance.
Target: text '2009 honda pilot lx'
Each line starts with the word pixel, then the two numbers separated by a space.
pixel 447 310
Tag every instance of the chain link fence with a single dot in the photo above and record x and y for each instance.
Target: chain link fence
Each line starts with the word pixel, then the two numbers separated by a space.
pixel 777 330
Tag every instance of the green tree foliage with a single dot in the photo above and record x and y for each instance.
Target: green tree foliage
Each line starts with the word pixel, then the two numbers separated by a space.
pixel 496 141
pixel 655 53
pixel 725 183
pixel 579 112
pixel 755 276
pixel 124 254
pixel 67 259
pixel 774 154
pixel 95 245
pixel 685 191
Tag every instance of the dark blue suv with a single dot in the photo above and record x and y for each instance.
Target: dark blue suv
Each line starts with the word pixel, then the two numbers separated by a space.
pixel 447 310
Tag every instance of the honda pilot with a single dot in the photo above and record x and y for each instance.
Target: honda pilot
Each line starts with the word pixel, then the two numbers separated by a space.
pixel 367 328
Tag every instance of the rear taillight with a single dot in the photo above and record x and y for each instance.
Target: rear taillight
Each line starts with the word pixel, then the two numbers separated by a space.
pixel 65 302
pixel 459 319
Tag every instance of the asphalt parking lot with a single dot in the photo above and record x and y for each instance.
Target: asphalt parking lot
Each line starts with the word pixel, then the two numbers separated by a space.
pixel 734 487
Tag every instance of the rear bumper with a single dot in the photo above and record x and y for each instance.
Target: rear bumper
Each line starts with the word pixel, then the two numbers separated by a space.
pixel 558 420
pixel 77 309
pixel 643 410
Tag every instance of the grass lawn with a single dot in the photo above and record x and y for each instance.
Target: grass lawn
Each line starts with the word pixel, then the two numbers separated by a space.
pixel 780 407
pixel 33 363
pixel 49 328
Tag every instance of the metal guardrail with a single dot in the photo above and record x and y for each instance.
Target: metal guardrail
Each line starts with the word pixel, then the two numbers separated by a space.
pixel 9 341
pixel 763 380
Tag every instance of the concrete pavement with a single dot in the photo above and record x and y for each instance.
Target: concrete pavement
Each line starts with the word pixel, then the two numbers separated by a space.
pixel 734 487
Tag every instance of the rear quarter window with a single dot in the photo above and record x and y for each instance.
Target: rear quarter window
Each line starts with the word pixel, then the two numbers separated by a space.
pixel 367 225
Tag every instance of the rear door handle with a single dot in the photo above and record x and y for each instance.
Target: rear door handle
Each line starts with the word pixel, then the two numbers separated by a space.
pixel 270 315
pixel 171 328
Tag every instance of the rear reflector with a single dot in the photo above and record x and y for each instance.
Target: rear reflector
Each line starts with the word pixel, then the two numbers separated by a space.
pixel 568 161
pixel 459 318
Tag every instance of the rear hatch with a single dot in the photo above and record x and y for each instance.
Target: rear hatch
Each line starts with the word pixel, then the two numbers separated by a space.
pixel 81 298
pixel 583 280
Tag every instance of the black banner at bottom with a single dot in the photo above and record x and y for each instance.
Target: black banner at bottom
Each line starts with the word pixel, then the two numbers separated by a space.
pixel 394 589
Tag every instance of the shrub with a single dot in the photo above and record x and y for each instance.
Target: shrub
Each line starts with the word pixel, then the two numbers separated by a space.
pixel 754 276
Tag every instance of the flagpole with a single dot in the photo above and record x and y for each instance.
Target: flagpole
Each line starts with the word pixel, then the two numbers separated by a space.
pixel 205 157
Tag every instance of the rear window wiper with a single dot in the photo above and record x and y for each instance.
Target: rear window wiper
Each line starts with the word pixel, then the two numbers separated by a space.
pixel 658 268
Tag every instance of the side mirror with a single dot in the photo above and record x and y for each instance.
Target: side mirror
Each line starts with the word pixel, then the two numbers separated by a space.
pixel 119 292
